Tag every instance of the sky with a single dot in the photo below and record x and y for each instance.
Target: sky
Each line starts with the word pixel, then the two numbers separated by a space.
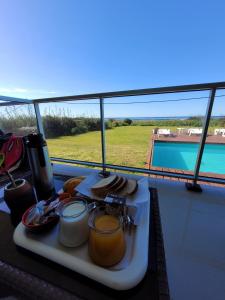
pixel 54 48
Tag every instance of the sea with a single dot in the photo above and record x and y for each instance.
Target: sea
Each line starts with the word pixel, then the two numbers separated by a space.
pixel 161 118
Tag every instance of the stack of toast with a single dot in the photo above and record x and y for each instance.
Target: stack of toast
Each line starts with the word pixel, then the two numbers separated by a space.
pixel 115 184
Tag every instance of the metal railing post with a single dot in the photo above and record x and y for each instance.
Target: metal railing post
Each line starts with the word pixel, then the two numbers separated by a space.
pixel 196 187
pixel 39 119
pixel 103 173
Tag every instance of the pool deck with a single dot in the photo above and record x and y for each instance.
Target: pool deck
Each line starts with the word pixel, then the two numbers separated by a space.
pixel 211 139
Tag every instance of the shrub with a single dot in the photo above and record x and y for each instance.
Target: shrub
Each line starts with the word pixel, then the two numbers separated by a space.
pixel 79 130
pixel 108 125
pixel 116 124
pixel 127 122
pixel 75 131
pixel 93 124
pixel 83 128
pixel 56 126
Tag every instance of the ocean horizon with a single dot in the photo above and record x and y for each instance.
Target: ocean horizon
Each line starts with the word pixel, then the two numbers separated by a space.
pixel 161 118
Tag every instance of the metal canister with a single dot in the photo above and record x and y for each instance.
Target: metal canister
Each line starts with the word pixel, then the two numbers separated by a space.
pixel 40 165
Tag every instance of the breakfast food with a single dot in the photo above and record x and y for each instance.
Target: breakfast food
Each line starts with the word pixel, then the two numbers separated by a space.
pixel 102 187
pixel 74 224
pixel 130 187
pixel 115 184
pixel 122 184
pixel 71 183
pixel 105 183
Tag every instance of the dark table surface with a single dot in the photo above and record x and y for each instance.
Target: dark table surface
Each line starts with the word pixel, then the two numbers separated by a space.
pixel 153 286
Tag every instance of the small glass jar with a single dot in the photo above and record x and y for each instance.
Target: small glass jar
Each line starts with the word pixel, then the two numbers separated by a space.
pixel 106 238
pixel 74 229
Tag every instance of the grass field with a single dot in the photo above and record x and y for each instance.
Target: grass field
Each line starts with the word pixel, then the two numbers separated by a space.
pixel 124 146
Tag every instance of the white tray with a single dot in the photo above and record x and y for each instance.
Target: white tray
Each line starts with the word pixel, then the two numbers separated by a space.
pixel 127 274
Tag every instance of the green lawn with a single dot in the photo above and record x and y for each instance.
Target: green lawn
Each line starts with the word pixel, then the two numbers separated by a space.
pixel 124 146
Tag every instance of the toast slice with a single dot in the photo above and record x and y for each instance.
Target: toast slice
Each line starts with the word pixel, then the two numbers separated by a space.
pixel 104 183
pixel 103 192
pixel 116 184
pixel 130 188
pixel 122 185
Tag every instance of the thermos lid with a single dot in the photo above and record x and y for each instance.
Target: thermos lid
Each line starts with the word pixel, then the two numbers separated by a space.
pixel 35 140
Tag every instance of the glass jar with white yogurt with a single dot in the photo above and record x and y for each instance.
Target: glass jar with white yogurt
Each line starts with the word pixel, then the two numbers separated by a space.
pixel 74 229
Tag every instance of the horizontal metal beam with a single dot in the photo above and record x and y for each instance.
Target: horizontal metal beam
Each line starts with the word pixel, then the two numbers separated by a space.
pixel 77 162
pixel 140 170
pixel 139 92
pixel 122 168
pixel 16 100
pixel 12 103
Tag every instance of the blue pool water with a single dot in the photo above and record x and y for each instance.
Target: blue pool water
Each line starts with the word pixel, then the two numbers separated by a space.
pixel 183 156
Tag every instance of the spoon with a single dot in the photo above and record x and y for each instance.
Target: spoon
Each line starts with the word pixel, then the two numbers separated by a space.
pixel 2 159
pixel 11 179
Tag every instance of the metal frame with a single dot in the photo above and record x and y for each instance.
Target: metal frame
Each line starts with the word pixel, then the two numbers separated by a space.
pixel 138 170
pixel 39 119
pixel 103 135
pixel 16 100
pixel 212 87
pixel 140 92
pixel 204 134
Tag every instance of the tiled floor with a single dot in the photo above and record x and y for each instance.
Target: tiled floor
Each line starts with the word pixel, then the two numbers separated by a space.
pixel 194 239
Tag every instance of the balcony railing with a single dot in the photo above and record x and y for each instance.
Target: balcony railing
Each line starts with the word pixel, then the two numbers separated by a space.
pixel 212 88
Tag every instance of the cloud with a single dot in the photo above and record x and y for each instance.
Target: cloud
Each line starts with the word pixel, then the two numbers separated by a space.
pixel 19 90
pixel 51 92
pixel 4 90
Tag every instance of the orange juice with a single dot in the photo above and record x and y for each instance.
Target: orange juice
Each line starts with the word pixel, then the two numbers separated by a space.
pixel 106 241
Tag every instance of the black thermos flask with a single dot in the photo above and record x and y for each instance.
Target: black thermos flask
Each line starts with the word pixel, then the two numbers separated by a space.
pixel 40 166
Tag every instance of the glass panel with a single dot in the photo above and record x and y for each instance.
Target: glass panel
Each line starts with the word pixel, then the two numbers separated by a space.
pixel 157 131
pixel 213 159
pixel 72 129
pixel 18 119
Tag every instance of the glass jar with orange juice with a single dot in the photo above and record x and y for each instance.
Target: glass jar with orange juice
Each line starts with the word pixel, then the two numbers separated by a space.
pixel 106 238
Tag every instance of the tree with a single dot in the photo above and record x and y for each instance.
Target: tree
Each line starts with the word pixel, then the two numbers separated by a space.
pixel 127 122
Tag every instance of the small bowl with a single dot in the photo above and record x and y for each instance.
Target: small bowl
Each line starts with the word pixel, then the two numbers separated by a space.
pixel 52 221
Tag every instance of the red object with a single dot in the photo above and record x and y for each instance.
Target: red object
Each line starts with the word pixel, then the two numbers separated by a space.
pixel 13 151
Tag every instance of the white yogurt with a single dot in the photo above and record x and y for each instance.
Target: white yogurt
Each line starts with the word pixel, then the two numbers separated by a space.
pixel 74 224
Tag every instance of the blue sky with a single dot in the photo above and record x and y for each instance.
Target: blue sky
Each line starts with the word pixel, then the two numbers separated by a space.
pixel 52 48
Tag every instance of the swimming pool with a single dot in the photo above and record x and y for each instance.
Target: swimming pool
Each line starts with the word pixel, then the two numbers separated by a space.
pixel 183 156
